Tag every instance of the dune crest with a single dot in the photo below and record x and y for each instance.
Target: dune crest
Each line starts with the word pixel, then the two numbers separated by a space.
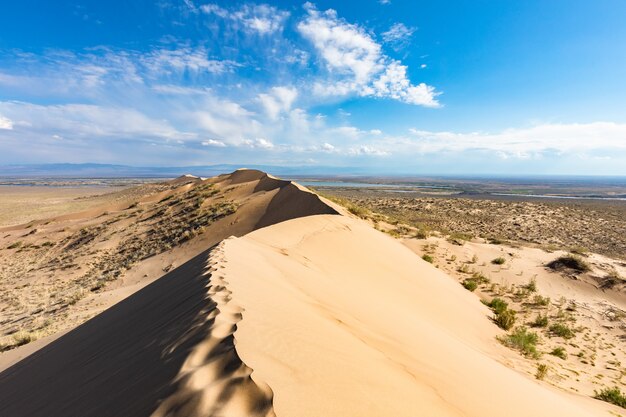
pixel 213 380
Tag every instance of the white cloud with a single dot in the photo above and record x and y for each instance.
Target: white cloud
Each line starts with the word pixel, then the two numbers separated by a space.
pixel 178 90
pixel 524 142
pixel 398 35
pixel 384 1
pixel 213 142
pixel 214 9
pixel 258 143
pixel 258 18
pixel 184 59
pixel 6 123
pixel 356 64
pixel 278 100
pixel 368 150
pixel 90 121
pixel 345 48
pixel 327 147
pixel 394 83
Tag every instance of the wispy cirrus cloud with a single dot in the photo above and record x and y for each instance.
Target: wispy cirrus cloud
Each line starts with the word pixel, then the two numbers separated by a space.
pixel 398 36
pixel 262 19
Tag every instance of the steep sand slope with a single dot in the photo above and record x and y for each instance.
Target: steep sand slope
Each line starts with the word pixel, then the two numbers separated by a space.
pixel 341 320
pixel 165 351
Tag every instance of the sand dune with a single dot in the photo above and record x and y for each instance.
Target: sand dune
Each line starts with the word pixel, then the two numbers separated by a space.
pixel 306 313
pixel 341 320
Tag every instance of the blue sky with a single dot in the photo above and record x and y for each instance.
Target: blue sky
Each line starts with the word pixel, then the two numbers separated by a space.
pixel 404 87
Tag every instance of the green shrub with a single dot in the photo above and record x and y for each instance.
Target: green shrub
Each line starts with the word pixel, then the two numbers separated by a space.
pixel 480 278
pixel 428 258
pixel 559 352
pixel 498 305
pixel 561 330
pixel 573 262
pixel 540 321
pixel 505 319
pixel 498 261
pixel 579 250
pixel 532 285
pixel 541 301
pixel 542 371
pixel 459 238
pixel 612 395
pixel 522 340
pixel 470 284
pixel 15 245
pixel 358 211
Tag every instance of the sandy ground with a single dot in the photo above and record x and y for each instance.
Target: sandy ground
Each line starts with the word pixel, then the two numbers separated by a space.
pixel 244 295
pixel 22 204
pixel 596 354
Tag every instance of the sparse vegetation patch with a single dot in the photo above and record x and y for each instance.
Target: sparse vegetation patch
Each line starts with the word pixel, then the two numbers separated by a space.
pixel 612 395
pixel 571 262
pixel 523 340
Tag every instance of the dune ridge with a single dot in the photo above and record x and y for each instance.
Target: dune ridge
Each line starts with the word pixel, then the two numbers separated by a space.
pixel 213 380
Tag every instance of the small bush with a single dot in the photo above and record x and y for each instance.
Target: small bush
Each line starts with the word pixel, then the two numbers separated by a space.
pixel 498 261
pixel 421 234
pixel 358 211
pixel 611 395
pixel 532 285
pixel 561 330
pixel 23 338
pixel 459 238
pixel 480 278
pixel 559 352
pixel 15 245
pixel 541 301
pixel 579 250
pixel 610 280
pixel 428 258
pixel 505 319
pixel 540 321
pixel 573 262
pixel 470 284
pixel 542 371
pixel 498 305
pixel 522 340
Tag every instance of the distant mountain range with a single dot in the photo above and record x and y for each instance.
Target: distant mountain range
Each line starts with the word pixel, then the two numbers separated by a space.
pixel 118 171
